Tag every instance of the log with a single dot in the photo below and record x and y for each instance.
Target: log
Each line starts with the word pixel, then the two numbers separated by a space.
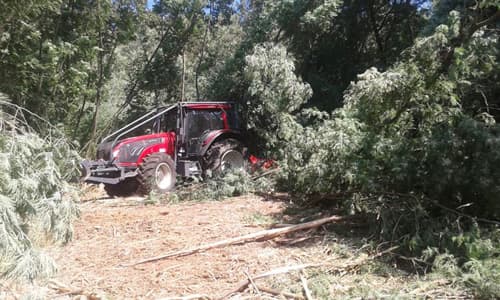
pixel 252 237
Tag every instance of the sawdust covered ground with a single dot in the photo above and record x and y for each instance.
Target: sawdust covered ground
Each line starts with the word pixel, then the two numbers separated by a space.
pixel 111 233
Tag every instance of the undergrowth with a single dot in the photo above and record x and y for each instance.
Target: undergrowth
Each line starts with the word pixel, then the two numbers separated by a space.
pixel 470 259
pixel 233 183
pixel 36 202
pixel 440 241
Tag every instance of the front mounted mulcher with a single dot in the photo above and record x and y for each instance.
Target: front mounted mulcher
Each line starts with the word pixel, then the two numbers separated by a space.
pixel 187 139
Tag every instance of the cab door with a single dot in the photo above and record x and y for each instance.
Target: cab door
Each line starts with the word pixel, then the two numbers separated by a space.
pixel 199 123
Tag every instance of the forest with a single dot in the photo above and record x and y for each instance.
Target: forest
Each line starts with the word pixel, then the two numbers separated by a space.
pixel 384 108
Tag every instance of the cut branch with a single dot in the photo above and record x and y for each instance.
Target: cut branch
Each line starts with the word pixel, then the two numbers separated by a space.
pixel 352 265
pixel 190 297
pixel 283 270
pixel 252 237
pixel 280 293
pixel 307 292
pixel 266 173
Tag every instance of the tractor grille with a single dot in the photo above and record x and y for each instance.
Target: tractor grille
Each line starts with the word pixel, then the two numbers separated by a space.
pixel 130 152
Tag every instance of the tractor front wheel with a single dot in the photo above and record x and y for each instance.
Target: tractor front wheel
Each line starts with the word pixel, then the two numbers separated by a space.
pixel 156 174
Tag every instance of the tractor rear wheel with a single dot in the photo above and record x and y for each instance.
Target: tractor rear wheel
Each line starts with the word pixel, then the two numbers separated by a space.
pixel 224 155
pixel 156 174
pixel 122 189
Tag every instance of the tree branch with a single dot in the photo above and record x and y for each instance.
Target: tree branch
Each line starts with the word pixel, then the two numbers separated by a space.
pixel 252 237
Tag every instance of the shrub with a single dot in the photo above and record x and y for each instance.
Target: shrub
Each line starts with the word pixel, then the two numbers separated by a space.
pixel 231 184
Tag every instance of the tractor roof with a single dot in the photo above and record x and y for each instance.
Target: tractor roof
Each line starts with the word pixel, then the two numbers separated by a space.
pixel 207 105
pixel 162 110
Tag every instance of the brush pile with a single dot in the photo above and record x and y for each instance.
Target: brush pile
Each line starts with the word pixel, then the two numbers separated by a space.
pixel 37 204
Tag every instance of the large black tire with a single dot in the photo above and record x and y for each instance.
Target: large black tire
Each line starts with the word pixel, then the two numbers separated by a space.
pixel 125 188
pixel 156 174
pixel 224 155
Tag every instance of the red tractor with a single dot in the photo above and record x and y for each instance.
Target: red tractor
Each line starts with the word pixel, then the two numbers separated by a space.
pixel 187 139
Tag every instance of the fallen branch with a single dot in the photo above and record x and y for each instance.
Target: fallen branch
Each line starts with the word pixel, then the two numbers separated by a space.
pixel 435 202
pixel 71 293
pixel 291 242
pixel 266 173
pixel 280 293
pixel 252 283
pixel 307 292
pixel 483 220
pixel 252 237
pixel 65 291
pixel 283 270
pixel 190 297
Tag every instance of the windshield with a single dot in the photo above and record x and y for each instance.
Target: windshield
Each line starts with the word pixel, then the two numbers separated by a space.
pixel 199 121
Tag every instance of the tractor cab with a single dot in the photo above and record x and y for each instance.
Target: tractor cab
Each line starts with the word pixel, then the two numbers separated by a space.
pixel 203 122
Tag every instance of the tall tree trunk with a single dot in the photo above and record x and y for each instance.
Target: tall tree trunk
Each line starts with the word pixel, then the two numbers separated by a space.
pixel 100 67
pixel 200 61
pixel 183 74
pixel 198 67
pixel 376 30
pixel 80 115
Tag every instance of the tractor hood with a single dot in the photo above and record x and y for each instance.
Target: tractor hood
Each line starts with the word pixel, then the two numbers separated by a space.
pixel 132 150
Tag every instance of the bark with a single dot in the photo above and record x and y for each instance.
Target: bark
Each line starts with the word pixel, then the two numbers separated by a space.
pixel 183 74
pixel 202 54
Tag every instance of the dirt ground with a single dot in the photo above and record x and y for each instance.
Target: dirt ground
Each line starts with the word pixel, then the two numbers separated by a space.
pixel 111 233
pixel 108 236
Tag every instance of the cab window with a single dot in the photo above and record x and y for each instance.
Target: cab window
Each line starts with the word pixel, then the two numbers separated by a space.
pixel 170 121
pixel 200 121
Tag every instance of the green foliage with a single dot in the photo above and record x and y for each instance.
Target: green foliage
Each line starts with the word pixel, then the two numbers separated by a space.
pixel 478 268
pixel 409 145
pixel 56 56
pixel 36 202
pixel 276 91
pixel 232 184
pixel 323 15
pixel 271 72
pixel 406 131
pixel 335 40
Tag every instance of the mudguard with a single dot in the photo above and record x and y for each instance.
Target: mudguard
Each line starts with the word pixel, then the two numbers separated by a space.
pixel 218 135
